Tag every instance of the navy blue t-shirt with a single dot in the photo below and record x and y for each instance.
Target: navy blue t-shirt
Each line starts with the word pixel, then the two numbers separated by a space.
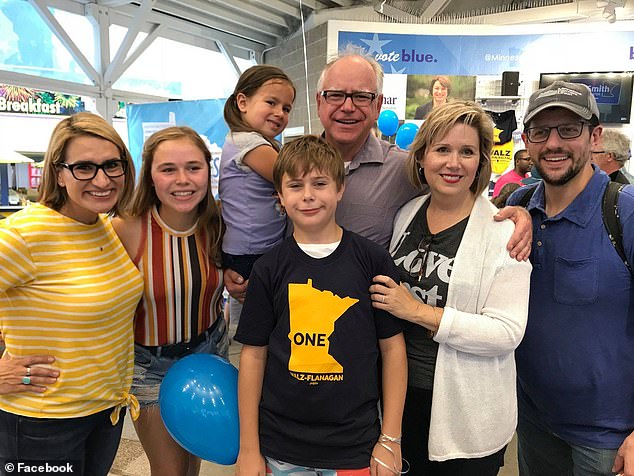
pixel 320 389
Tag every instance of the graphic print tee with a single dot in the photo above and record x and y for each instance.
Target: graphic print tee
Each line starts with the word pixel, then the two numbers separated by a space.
pixel 320 389
pixel 431 288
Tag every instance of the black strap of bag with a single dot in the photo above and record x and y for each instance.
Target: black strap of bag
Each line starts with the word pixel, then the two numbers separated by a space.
pixel 611 219
pixel 609 213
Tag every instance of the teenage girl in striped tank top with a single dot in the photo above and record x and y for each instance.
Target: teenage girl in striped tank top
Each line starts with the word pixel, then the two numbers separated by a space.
pixel 173 233
pixel 68 289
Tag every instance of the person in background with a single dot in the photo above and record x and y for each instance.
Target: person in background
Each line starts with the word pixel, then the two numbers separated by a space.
pixel 611 153
pixel 522 166
pixel 575 365
pixel 308 387
pixel 533 177
pixel 69 289
pixel 439 90
pixel 256 113
pixel 505 193
pixel 465 301
pixel 172 230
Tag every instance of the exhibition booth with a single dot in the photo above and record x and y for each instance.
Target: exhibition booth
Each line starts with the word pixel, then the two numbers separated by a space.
pixel 497 66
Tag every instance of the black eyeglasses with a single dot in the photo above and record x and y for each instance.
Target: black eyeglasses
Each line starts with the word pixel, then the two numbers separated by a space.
pixel 88 170
pixel 565 131
pixel 359 98
pixel 419 263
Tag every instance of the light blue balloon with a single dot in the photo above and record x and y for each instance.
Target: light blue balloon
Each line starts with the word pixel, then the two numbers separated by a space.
pixel 406 134
pixel 388 122
pixel 198 401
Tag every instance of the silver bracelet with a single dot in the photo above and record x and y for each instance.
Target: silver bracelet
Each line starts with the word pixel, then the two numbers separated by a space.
pixel 390 439
pixel 393 469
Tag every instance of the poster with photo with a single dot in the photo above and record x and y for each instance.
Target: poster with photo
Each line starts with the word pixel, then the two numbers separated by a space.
pixel 420 88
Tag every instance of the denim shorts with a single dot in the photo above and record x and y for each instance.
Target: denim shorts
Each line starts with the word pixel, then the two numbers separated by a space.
pixel 280 468
pixel 150 369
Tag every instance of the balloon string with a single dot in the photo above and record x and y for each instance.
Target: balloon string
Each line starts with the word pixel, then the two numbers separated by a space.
pixel 301 14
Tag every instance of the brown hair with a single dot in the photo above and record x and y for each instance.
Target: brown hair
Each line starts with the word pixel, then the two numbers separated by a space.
pixel 309 152
pixel 81 124
pixel 248 84
pixel 444 81
pixel 209 219
pixel 440 120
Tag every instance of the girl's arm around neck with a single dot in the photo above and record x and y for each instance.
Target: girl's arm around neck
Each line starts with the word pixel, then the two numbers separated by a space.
pixel 261 161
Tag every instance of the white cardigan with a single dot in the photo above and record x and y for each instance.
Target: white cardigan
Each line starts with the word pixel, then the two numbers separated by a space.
pixel 474 403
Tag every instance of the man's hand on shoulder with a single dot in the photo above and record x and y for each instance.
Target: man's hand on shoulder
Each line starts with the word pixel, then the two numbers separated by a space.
pixel 519 246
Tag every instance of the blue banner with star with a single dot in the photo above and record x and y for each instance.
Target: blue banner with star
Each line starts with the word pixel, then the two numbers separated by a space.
pixel 494 54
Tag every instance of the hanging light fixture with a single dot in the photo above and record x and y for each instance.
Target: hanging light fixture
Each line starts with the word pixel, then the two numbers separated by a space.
pixel 609 6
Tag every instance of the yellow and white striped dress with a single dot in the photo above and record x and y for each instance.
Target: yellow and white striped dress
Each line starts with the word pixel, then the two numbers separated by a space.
pixel 70 290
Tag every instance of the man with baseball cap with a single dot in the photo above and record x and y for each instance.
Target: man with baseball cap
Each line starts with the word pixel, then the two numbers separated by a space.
pixel 575 365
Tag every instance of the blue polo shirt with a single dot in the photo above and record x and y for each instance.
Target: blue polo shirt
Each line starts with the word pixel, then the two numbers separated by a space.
pixel 575 365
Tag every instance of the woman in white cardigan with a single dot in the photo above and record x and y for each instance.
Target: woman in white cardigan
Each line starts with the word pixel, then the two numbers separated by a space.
pixel 464 298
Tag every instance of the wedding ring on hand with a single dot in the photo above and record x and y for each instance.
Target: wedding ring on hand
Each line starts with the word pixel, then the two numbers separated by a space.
pixel 26 380
pixel 28 371
pixel 382 299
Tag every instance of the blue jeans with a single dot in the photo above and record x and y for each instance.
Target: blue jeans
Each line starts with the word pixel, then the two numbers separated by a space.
pixel 542 453
pixel 91 442
pixel 150 369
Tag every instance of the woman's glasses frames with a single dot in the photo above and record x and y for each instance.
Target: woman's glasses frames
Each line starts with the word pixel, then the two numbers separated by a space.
pixel 88 170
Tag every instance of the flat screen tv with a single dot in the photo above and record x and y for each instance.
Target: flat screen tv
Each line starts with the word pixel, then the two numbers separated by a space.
pixel 612 90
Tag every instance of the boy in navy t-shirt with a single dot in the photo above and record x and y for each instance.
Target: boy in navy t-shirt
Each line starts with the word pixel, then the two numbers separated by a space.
pixel 308 384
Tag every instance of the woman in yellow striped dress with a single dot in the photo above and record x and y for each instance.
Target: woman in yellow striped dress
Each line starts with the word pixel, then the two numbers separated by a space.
pixel 68 289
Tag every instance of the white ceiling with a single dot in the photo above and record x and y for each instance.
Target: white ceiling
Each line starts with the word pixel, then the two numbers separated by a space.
pixel 247 27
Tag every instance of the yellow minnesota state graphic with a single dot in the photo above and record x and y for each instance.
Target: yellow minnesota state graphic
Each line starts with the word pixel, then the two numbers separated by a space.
pixel 312 320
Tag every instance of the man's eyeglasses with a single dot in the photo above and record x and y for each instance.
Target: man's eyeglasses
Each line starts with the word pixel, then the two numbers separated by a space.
pixel 598 151
pixel 565 131
pixel 419 263
pixel 88 170
pixel 359 98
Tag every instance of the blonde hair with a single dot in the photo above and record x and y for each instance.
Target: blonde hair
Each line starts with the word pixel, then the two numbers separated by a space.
pixel 81 124
pixel 309 152
pixel 144 198
pixel 439 122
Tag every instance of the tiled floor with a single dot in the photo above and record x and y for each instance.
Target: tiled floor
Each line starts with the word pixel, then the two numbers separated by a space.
pixel 131 460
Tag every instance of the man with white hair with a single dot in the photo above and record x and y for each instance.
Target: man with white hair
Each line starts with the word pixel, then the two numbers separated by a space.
pixel 611 153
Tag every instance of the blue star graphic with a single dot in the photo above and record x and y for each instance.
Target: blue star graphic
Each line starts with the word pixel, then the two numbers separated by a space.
pixel 376 45
pixel 396 71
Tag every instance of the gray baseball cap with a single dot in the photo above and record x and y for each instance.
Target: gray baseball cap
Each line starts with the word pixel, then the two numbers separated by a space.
pixel 575 97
